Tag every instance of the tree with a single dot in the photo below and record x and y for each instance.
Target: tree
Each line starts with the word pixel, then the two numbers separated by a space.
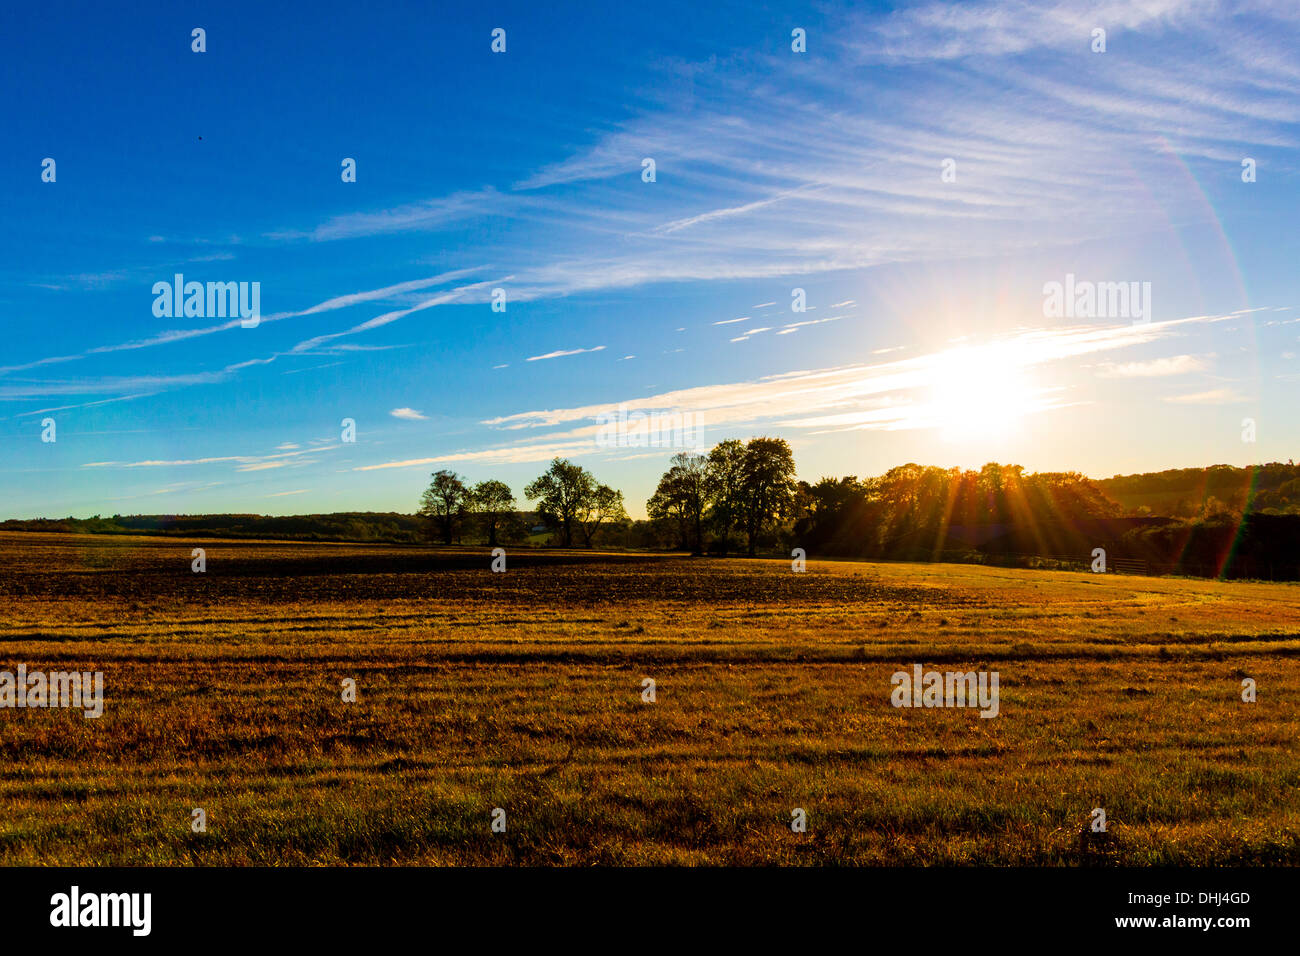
pixel 444 500
pixel 824 509
pixel 723 484
pixel 492 502
pixel 604 505
pixel 572 499
pixel 667 507
pixel 767 486
pixel 565 492
pixel 682 496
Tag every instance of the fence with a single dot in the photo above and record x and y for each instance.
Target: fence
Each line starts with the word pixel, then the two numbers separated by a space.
pixel 1129 566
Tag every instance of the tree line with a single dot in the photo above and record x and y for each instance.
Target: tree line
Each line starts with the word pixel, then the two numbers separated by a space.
pixel 738 491
pixel 746 496
pixel 570 501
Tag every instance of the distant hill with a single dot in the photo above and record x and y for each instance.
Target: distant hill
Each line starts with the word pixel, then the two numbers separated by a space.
pixel 380 527
pixel 388 527
pixel 1273 488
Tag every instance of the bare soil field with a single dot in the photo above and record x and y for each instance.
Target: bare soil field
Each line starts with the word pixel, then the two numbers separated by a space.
pixel 523 691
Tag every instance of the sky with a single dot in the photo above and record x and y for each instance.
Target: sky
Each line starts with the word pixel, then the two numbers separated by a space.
pixel 862 246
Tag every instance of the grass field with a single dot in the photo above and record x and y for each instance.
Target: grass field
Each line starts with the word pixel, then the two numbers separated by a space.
pixel 522 691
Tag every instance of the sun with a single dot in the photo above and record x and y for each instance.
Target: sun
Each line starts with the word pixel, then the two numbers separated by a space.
pixel 980 392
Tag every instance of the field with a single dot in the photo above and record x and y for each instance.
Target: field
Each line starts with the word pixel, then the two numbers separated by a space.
pixel 523 691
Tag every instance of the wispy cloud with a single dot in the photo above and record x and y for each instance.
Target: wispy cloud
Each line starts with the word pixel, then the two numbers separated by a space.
pixel 460 294
pixel 1216 396
pixel 514 454
pixel 934 31
pixel 110 384
pixel 428 214
pixel 858 395
pixel 102 401
pixel 790 327
pixel 887 396
pixel 244 462
pixel 564 352
pixel 182 335
pixel 1172 365
pixel 740 210
pixel 408 414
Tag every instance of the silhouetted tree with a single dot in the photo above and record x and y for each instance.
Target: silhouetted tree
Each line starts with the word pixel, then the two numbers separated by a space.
pixel 492 502
pixel 564 489
pixel 667 508
pixel 443 501
pixel 571 498
pixel 723 481
pixel 767 486
pixel 605 505
pixel 683 495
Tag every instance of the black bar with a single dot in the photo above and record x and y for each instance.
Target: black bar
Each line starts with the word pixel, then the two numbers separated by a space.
pixel 331 905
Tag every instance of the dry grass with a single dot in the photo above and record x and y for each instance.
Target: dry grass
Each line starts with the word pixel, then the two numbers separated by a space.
pixel 522 691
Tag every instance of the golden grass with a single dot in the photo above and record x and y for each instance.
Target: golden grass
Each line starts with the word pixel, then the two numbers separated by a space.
pixel 523 691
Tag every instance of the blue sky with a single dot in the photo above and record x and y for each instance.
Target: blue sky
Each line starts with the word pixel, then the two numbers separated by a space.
pixel 926 337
